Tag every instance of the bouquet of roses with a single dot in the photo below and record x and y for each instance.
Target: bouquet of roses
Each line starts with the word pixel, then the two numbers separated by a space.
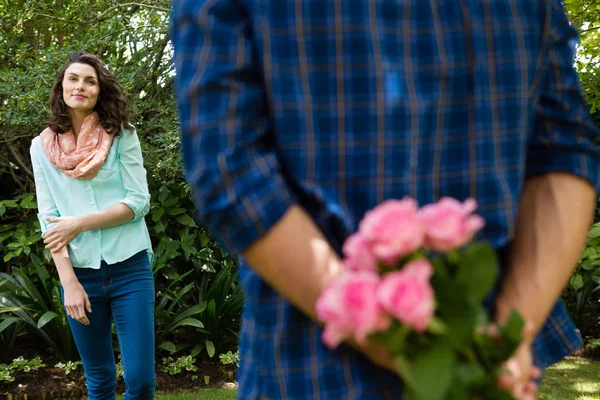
pixel 414 280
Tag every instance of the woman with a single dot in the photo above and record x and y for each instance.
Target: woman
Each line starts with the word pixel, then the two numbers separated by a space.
pixel 92 197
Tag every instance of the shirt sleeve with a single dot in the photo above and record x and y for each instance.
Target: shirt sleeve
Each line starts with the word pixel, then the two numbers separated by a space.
pixel 133 174
pixel 45 202
pixel 565 137
pixel 226 133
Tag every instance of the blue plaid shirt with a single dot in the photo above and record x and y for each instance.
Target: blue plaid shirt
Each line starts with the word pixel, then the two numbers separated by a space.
pixel 338 105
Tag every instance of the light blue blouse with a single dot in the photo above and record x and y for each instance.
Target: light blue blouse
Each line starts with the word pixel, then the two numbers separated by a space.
pixel 121 179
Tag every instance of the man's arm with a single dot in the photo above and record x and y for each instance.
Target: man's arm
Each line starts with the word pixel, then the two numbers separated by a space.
pixel 558 198
pixel 554 216
pixel 555 210
pixel 297 261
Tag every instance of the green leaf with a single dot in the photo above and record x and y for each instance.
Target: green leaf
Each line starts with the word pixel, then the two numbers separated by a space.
pixel 187 247
pixel 478 270
pixel 170 201
pixel 163 193
pixel 44 319
pixel 594 232
pixel 210 348
pixel 161 226
pixel 405 371
pixel 437 326
pixel 432 370
pixel 2 211
pixel 33 239
pixel 513 329
pixel 6 322
pixel 28 202
pixel 186 220
pixel 176 211
pixel 204 239
pixel 197 349
pixel 576 281
pixel 212 305
pixel 168 346
pixel 191 322
pixel 589 253
pixel 157 213
pixel 461 322
pixel 9 256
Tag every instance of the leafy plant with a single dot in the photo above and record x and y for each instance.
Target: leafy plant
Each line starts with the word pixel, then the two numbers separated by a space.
pixel 19 364
pixel 69 366
pixel 174 367
pixel 223 298
pixel 174 311
pixel 20 239
pixel 39 307
pixel 120 370
pixel 230 358
pixel 585 284
pixel 5 373
pixel 10 329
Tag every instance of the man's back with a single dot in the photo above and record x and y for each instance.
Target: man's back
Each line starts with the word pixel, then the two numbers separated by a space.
pixel 339 105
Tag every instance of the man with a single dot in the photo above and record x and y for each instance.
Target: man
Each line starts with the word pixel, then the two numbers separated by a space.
pixel 300 115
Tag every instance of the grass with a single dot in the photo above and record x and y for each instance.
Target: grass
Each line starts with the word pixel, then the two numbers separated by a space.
pixel 204 394
pixel 572 379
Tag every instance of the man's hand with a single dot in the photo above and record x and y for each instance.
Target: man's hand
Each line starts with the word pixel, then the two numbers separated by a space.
pixel 518 380
pixel 77 302
pixel 63 233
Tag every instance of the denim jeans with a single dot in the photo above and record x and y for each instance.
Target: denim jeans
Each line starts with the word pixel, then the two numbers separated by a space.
pixel 123 293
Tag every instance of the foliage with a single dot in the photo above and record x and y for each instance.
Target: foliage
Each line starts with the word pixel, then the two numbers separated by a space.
pixel 40 307
pixel 230 358
pixel 174 367
pixel 585 14
pixel 582 295
pixel 223 298
pixel 19 364
pixel 19 239
pixel 120 369
pixel 69 366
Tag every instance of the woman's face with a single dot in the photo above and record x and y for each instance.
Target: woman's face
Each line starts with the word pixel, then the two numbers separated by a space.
pixel 80 87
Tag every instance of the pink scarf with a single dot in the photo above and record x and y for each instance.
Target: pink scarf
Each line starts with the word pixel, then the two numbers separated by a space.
pixel 78 157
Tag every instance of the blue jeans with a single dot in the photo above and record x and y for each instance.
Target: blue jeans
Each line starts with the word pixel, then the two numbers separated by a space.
pixel 123 293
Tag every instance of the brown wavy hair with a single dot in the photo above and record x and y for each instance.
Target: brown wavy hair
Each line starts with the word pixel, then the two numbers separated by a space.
pixel 112 106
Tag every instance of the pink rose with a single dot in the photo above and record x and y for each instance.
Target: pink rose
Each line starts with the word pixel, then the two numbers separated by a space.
pixel 358 254
pixel 394 229
pixel 407 294
pixel 349 307
pixel 449 224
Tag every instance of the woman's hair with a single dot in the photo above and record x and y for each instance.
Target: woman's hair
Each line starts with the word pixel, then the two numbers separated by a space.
pixel 111 106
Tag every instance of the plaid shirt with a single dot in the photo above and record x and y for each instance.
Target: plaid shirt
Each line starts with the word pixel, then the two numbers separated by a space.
pixel 338 105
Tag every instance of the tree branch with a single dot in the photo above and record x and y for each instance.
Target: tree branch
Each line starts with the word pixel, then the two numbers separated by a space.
pixel 18 160
pixel 589 29
pixel 127 5
pixel 15 138
pixel 55 18
pixel 103 14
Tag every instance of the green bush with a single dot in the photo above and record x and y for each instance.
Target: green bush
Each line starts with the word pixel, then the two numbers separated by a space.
pixel 582 296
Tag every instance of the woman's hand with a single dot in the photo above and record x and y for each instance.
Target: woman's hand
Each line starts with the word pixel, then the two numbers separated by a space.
pixel 65 230
pixel 77 302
